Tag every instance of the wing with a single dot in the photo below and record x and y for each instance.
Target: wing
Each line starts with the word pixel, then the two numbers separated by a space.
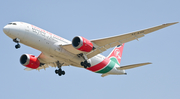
pixel 47 62
pixel 103 44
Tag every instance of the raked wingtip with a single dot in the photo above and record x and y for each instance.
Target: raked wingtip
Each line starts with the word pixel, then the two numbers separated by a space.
pixel 169 24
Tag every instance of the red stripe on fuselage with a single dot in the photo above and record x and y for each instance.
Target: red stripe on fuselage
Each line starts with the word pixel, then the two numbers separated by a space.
pixel 100 65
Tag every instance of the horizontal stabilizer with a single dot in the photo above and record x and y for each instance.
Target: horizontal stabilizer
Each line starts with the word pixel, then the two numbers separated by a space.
pixel 103 75
pixel 132 66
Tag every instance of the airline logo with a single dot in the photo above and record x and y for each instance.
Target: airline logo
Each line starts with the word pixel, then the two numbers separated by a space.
pixel 116 54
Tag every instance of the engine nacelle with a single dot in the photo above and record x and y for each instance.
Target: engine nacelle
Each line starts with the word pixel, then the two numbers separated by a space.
pixel 82 44
pixel 29 61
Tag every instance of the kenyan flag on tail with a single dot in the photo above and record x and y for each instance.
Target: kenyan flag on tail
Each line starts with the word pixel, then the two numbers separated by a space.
pixel 116 54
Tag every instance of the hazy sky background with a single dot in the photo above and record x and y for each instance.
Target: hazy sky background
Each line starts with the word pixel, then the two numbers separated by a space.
pixel 94 19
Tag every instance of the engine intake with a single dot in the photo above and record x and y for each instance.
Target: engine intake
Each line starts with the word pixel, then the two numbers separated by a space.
pixel 82 44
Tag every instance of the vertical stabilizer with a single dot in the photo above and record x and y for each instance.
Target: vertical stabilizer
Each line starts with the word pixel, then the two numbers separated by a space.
pixel 116 54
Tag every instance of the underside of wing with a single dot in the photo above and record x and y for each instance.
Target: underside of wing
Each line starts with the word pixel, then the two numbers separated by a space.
pixel 101 45
pixel 45 58
pixel 71 49
pixel 47 61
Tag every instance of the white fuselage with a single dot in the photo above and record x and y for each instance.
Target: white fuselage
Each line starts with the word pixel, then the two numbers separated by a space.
pixel 49 44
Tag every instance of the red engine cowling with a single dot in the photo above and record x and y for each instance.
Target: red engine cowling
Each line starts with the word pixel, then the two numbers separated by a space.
pixel 82 44
pixel 29 61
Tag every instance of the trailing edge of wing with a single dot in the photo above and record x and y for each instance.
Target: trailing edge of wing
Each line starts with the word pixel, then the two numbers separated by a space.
pixel 132 66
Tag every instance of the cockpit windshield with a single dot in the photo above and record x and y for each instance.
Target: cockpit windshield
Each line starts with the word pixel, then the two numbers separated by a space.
pixel 12 24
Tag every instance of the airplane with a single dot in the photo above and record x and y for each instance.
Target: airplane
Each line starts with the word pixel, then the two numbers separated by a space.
pixel 81 52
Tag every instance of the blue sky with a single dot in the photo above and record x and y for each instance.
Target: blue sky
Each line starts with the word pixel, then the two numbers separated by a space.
pixel 94 19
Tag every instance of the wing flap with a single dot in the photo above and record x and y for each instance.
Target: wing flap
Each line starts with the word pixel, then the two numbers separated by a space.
pixel 132 66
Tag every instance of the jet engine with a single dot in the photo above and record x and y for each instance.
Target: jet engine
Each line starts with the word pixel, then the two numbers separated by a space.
pixel 82 44
pixel 29 61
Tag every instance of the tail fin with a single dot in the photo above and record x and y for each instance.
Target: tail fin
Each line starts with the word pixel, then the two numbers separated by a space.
pixel 116 54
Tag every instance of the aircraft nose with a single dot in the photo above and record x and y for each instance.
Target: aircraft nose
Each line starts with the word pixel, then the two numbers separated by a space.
pixel 6 29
